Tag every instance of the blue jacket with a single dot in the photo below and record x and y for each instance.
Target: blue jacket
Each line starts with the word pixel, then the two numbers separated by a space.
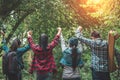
pixel 67 51
pixel 67 58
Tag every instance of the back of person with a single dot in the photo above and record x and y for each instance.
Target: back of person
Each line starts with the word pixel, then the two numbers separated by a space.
pixel 13 67
pixel 68 56
pixel 71 60
pixel 43 61
pixel 99 51
pixel 4 64
pixel 68 71
pixel 15 59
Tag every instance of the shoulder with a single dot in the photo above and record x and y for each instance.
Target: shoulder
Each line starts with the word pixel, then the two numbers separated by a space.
pixel 67 51
pixel 79 51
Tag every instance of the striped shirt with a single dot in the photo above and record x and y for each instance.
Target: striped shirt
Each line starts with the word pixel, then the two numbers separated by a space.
pixel 43 62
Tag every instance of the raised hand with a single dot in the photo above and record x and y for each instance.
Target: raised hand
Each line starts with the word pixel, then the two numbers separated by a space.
pixel 59 28
pixel 80 28
pixel 59 31
pixel 29 33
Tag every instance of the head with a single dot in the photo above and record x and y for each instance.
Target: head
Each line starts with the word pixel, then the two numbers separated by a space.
pixel 43 41
pixel 73 42
pixel 95 35
pixel 15 44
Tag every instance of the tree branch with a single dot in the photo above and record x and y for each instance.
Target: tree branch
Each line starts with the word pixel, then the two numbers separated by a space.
pixel 16 26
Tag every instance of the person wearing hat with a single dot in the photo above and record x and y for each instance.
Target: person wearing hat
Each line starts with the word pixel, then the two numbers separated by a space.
pixel 71 59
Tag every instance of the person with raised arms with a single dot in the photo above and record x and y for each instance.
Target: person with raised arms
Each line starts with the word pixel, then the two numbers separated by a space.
pixel 43 62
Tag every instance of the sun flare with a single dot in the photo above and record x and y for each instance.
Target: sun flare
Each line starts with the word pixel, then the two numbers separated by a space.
pixel 93 2
pixel 97 7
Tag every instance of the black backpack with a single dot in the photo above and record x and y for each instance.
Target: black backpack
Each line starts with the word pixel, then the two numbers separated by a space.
pixel 10 63
pixel 4 64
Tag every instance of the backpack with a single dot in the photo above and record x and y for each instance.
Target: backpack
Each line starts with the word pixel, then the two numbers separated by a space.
pixel 4 64
pixel 10 63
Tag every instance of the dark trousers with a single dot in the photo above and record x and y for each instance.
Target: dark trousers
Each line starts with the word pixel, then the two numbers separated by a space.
pixel 100 75
pixel 17 76
pixel 72 79
pixel 47 76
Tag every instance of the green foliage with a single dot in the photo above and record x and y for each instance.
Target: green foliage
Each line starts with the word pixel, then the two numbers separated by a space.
pixel 44 16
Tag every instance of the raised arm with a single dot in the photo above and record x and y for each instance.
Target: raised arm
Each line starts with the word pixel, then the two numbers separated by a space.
pixel 78 34
pixel 56 39
pixel 63 46
pixel 30 40
pixel 22 50
pixel 59 31
pixel 4 46
pixel 3 43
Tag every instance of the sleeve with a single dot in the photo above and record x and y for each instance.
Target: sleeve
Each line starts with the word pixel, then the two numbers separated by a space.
pixel 80 46
pixel 63 46
pixel 22 50
pixel 54 42
pixel 32 44
pixel 4 46
pixel 80 37
pixel 78 33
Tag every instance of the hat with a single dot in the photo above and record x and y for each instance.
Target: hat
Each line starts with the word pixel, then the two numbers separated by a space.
pixel 73 41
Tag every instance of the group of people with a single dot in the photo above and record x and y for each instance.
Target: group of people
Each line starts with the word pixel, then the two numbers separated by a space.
pixel 43 63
